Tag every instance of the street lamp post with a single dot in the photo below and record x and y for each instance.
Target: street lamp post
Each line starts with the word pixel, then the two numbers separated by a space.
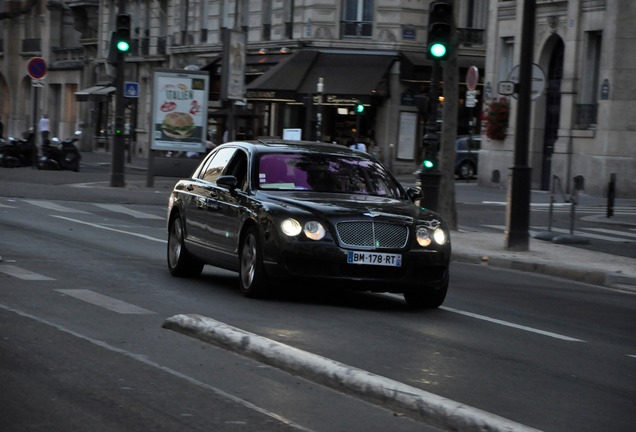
pixel 320 88
pixel 518 209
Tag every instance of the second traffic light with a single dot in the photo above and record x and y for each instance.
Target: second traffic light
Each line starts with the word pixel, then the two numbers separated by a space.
pixel 440 20
pixel 359 108
pixel 122 33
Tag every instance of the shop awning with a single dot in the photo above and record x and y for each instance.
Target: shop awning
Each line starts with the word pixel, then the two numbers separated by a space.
pixel 345 75
pixel 96 93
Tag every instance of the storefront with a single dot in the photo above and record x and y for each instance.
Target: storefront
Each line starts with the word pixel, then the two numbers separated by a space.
pixel 289 94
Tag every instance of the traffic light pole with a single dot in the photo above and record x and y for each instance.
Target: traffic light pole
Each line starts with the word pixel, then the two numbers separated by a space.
pixel 429 178
pixel 117 176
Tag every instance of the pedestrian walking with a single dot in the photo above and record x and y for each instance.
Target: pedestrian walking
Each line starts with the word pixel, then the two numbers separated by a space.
pixel 43 127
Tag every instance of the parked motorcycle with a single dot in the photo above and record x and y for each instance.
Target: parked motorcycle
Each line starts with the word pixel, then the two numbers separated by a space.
pixel 17 152
pixel 61 155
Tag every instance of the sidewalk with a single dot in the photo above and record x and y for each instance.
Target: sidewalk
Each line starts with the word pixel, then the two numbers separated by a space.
pixel 469 247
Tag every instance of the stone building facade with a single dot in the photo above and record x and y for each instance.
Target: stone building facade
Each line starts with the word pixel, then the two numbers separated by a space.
pixel 584 114
pixel 370 51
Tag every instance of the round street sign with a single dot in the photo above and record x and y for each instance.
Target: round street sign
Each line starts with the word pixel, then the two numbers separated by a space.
pixel 36 68
pixel 472 77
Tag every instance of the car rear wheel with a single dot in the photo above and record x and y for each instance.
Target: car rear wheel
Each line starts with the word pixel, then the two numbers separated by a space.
pixel 251 272
pixel 424 297
pixel 180 262
pixel 466 171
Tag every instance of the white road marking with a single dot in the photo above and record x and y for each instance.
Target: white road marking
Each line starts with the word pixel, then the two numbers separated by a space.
pixel 55 207
pixel 6 206
pixel 134 213
pixel 21 273
pixel 143 236
pixel 513 325
pixel 105 302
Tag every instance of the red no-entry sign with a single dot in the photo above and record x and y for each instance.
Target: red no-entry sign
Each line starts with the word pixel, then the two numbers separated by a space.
pixel 472 77
pixel 36 68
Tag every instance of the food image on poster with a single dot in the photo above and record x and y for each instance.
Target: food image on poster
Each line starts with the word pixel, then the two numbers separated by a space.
pixel 178 125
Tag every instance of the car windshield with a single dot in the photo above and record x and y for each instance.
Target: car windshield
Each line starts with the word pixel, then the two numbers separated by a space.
pixel 325 173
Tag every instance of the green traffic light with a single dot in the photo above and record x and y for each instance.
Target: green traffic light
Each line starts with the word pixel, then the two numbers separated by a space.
pixel 437 50
pixel 359 108
pixel 428 164
pixel 123 46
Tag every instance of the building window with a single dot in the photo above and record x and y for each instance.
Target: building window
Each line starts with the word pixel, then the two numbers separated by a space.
pixel 357 20
pixel 203 20
pixel 587 108
pixel 267 20
pixel 506 58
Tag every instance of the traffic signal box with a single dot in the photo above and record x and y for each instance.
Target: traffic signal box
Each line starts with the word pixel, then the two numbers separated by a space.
pixel 440 20
pixel 122 34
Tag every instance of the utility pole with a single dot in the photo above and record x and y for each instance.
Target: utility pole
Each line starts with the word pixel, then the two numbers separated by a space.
pixel 518 210
pixel 122 45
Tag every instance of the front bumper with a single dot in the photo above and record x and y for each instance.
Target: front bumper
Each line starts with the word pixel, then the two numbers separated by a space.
pixel 327 264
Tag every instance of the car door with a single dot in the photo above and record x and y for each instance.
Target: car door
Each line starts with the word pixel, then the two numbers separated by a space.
pixel 224 219
pixel 201 200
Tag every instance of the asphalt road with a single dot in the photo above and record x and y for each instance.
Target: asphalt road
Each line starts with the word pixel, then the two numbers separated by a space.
pixel 544 352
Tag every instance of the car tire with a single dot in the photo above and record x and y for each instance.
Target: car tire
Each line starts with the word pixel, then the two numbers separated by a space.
pixel 252 275
pixel 466 171
pixel 180 262
pixel 425 298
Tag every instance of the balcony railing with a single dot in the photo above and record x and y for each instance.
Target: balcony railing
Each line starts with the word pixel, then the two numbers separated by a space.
pixel 356 29
pixel 586 116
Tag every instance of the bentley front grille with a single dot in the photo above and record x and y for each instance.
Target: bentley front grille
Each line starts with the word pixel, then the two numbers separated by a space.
pixel 370 234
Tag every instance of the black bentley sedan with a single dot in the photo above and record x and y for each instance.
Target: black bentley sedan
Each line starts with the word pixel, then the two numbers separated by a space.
pixel 303 212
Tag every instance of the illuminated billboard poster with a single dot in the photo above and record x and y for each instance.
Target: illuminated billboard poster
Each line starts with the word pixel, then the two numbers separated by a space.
pixel 179 110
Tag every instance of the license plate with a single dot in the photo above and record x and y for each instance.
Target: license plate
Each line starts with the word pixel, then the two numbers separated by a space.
pixel 374 258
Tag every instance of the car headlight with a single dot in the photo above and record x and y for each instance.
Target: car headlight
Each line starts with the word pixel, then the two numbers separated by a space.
pixel 291 227
pixel 314 230
pixel 423 238
pixel 439 236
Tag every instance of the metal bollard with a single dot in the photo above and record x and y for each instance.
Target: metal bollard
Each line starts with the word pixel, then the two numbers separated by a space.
pixel 611 194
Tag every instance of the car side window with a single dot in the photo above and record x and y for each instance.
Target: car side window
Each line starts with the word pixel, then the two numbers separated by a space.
pixel 217 164
pixel 238 168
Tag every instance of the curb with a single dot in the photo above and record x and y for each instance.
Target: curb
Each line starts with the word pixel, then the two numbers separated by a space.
pixel 435 410
pixel 565 271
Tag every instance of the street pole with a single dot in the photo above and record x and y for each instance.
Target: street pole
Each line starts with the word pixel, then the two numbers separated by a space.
pixel 429 179
pixel 117 176
pixel 320 88
pixel 518 210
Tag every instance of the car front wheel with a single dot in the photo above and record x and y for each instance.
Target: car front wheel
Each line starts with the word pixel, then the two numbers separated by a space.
pixel 466 171
pixel 180 262
pixel 251 272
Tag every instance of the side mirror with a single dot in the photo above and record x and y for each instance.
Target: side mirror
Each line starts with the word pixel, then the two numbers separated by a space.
pixel 228 181
pixel 414 193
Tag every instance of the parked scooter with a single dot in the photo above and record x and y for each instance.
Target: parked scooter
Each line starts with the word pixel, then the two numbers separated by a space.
pixel 17 152
pixel 61 155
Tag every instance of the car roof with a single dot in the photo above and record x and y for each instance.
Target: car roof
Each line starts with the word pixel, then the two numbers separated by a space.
pixel 276 145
